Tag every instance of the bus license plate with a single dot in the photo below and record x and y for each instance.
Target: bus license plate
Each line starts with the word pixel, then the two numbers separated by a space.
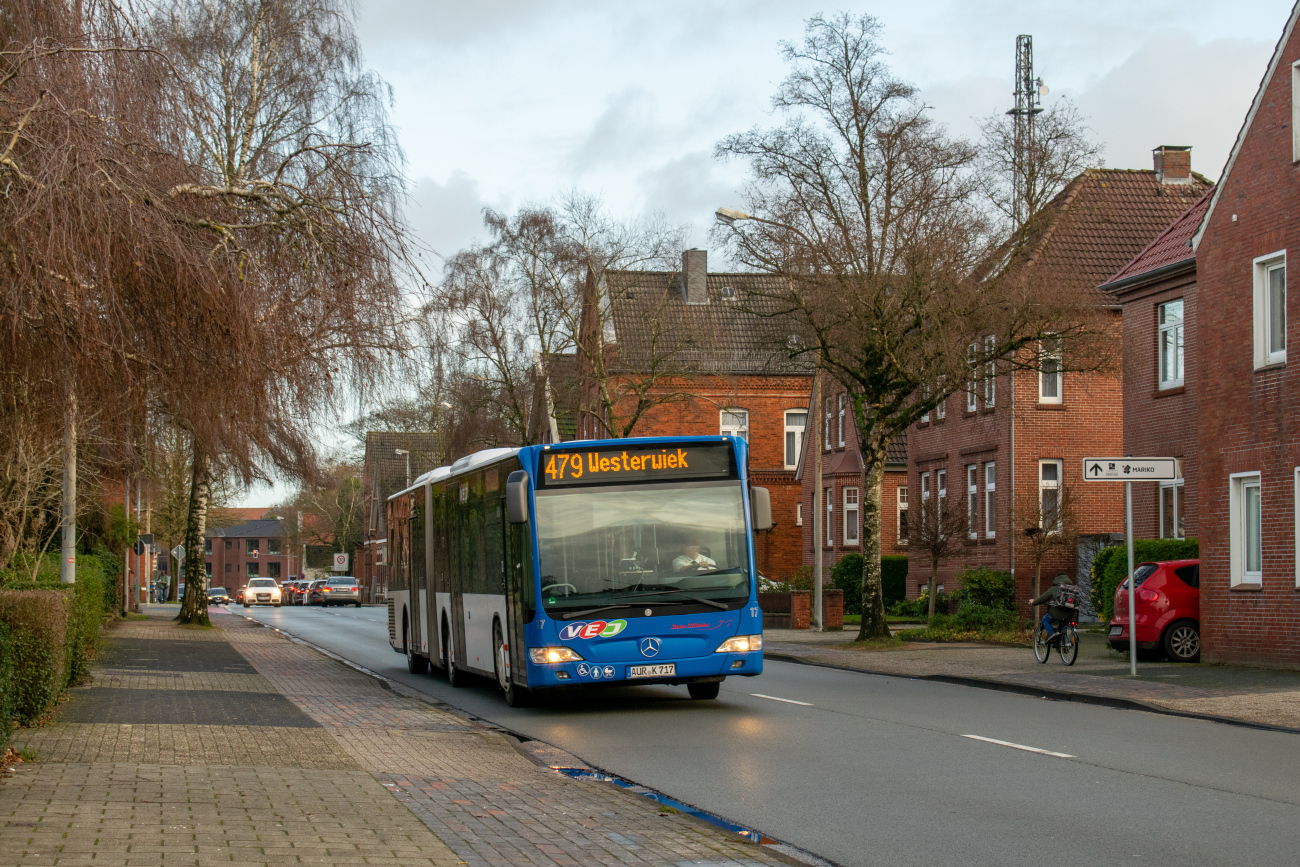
pixel 667 669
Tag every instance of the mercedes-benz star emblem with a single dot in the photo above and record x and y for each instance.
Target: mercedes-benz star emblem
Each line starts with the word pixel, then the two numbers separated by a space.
pixel 650 646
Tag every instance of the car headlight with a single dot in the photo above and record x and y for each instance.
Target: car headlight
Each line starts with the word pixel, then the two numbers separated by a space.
pixel 741 644
pixel 546 655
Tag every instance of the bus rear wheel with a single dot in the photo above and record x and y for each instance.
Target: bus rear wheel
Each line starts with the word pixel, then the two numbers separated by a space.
pixel 454 678
pixel 701 691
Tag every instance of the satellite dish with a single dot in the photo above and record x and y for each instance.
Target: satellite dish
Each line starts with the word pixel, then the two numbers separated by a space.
pixel 1043 89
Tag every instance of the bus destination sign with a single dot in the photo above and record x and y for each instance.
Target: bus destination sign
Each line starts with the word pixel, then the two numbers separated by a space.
pixel 636 463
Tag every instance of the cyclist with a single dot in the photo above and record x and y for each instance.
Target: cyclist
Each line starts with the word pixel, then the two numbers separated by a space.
pixel 1057 614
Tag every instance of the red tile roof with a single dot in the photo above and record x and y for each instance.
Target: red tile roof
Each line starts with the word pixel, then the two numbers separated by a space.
pixel 1171 247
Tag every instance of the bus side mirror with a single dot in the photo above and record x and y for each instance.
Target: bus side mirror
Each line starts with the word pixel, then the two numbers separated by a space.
pixel 760 500
pixel 517 497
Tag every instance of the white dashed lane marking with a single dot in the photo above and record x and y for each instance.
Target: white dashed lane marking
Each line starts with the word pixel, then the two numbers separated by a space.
pixel 1019 747
pixel 786 700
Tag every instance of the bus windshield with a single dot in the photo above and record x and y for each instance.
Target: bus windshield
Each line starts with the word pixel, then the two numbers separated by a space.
pixel 643 544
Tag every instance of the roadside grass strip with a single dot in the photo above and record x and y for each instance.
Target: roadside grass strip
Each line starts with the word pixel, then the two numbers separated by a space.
pixel 1020 747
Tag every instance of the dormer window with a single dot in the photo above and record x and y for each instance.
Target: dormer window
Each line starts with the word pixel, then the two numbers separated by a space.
pixel 728 293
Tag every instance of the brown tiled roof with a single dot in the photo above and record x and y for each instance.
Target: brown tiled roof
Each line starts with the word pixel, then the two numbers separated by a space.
pixel 1100 221
pixel 896 453
pixel 384 466
pixel 1171 247
pixel 728 335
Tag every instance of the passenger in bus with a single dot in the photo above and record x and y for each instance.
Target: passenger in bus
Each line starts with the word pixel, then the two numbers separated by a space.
pixel 693 560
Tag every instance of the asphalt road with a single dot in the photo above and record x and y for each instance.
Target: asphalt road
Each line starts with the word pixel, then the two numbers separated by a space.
pixel 865 770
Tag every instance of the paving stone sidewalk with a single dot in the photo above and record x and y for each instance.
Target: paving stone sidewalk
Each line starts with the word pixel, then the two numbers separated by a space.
pixel 1255 695
pixel 235 745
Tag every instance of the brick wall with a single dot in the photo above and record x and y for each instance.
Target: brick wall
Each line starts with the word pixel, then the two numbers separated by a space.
pixel 1249 420
pixel 1160 423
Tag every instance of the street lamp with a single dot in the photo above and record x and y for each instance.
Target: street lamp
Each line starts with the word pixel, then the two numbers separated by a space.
pixel 408 464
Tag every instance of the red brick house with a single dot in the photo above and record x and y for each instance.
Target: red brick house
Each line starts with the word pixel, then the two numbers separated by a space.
pixel 253 549
pixel 844 485
pixel 1158 293
pixel 722 374
pixel 1008 444
pixel 1248 391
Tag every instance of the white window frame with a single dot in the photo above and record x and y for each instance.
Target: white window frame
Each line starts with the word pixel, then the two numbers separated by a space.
pixel 738 431
pixel 925 490
pixel 902 510
pixel 990 500
pixel 1265 355
pixel 842 400
pixel 1045 353
pixel 1178 489
pixel 940 408
pixel 798 514
pixel 829 494
pixel 826 431
pixel 852 525
pixel 990 371
pixel 925 395
pixel 941 485
pixel 972 500
pixel 1170 330
pixel 1295 112
pixel 792 459
pixel 1045 485
pixel 972 385
pixel 1239 485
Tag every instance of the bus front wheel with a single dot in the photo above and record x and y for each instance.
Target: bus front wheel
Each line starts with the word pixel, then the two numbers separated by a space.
pixel 454 678
pixel 703 690
pixel 516 696
pixel 415 663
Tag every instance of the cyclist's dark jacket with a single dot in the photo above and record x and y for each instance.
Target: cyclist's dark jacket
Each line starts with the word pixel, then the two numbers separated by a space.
pixel 1056 612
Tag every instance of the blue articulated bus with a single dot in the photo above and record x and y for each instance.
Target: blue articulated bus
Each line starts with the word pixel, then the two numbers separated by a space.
pixel 581 564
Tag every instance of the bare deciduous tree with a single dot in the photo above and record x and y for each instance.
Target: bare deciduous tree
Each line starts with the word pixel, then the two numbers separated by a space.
pixel 1050 523
pixel 940 532
pixel 873 214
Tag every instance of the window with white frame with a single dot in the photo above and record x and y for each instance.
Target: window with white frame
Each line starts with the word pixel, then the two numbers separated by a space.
pixel 826 426
pixel 796 422
pixel 941 485
pixel 1049 495
pixel 972 499
pixel 925 491
pixel 734 422
pixel 990 371
pixel 1049 371
pixel 1171 509
pixel 902 511
pixel 1270 309
pixel 798 514
pixel 1245 528
pixel 990 501
pixel 830 516
pixel 1295 127
pixel 842 410
pixel 972 384
pixel 925 395
pixel 851 520
pixel 1170 324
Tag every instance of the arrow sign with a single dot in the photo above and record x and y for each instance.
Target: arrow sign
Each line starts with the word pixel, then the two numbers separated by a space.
pixel 1131 469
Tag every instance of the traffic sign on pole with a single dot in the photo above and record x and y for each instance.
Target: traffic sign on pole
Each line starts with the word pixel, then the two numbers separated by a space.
pixel 340 563
pixel 178 553
pixel 1131 469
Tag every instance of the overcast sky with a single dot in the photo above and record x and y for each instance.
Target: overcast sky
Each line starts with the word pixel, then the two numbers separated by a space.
pixel 504 102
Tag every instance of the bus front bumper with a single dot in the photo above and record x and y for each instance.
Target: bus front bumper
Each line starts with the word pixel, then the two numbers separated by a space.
pixel 715 666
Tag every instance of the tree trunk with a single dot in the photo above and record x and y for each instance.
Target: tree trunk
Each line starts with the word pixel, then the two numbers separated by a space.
pixel 934 579
pixel 1038 573
pixel 874 624
pixel 194 607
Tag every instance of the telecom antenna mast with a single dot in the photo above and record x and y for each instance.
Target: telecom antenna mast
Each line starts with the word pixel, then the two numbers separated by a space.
pixel 1029 97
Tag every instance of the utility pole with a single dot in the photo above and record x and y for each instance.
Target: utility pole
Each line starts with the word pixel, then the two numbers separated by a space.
pixel 1029 97
pixel 818 565
pixel 68 552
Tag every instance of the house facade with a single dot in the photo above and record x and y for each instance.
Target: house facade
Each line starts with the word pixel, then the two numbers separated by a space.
pixel 1012 443
pixel 1157 291
pixel 722 375
pixel 1248 392
pixel 253 549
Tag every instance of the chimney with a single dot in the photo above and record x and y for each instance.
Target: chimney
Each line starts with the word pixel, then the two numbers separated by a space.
pixel 695 275
pixel 1173 164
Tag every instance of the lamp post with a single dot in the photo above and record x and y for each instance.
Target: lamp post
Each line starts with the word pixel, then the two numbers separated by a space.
pixel 729 217
pixel 408 464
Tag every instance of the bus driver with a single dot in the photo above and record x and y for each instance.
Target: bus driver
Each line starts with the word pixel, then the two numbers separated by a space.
pixel 692 560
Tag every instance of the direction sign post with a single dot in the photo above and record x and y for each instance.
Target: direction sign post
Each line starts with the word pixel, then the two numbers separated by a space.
pixel 1127 470
pixel 178 553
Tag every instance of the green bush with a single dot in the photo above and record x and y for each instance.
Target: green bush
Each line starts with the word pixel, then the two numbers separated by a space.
pixel 846 575
pixel 1110 566
pixel 988 588
pixel 972 623
pixel 893 577
pixel 37 621
pixel 6 686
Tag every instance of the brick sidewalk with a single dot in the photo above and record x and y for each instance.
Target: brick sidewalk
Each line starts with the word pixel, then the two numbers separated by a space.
pixel 236 746
pixel 1262 696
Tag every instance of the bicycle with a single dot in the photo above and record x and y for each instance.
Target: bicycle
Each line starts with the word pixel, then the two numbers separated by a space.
pixel 1065 639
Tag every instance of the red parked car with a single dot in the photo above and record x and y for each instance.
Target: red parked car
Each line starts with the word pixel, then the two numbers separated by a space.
pixel 1168 608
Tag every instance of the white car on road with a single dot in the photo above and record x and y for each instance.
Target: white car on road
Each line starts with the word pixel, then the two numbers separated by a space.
pixel 262 591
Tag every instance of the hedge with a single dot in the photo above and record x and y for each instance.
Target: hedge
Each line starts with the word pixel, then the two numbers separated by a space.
pixel 7 695
pixel 988 587
pixel 1110 566
pixel 52 629
pixel 846 575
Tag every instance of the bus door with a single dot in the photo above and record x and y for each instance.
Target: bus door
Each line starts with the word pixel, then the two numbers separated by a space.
pixel 521 597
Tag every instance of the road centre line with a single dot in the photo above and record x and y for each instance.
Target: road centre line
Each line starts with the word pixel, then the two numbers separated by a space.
pixel 786 700
pixel 1020 747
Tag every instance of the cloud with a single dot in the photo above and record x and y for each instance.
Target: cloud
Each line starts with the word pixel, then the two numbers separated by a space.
pixel 1174 90
pixel 446 217
pixel 625 128
pixel 688 189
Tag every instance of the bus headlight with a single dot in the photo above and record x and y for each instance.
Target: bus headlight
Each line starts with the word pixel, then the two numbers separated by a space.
pixel 545 655
pixel 741 644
